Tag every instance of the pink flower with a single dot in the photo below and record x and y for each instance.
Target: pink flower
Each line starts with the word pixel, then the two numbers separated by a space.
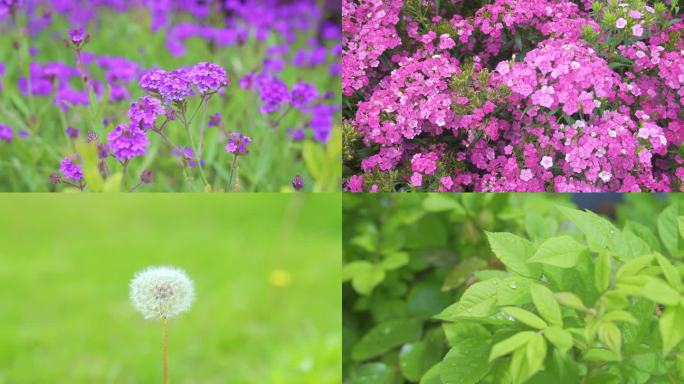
pixel 546 162
pixel 620 23
pixel 416 179
pixel 355 184
pixel 637 30
pixel 445 42
pixel 526 174
pixel 634 14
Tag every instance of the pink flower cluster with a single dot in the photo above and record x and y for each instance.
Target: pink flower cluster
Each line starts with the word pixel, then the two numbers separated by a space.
pixel 519 95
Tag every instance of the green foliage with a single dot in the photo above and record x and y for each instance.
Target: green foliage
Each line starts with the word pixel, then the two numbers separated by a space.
pixel 517 288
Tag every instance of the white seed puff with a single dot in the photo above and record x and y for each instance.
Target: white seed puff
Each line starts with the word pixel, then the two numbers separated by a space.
pixel 162 292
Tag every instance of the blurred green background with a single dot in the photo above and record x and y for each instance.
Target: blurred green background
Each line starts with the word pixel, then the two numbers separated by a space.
pixel 66 261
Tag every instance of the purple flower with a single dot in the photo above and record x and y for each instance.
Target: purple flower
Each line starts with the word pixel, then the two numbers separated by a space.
pixel 152 81
pixel 620 23
pixel 303 94
pixel 186 154
pixel 6 133
pixel 237 143
pixel 79 37
pixel 208 77
pixel 175 85
pixel 297 134
pixel 297 183
pixel 71 170
pixel 215 120
pixel 322 121
pixel 72 132
pixel 144 112
pixel 273 92
pixel 127 142
pixel 9 6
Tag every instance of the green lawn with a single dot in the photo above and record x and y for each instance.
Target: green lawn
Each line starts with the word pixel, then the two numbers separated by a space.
pixel 66 261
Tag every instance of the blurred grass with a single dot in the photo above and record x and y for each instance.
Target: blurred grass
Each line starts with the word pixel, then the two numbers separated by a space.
pixel 274 158
pixel 66 261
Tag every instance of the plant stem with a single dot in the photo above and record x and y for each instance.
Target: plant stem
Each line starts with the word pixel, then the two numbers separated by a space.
pixel 194 149
pixel 232 170
pixel 123 176
pixel 202 128
pixel 165 347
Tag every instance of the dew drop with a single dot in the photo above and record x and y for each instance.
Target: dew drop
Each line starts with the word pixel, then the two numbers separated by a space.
pixel 514 285
pixel 470 309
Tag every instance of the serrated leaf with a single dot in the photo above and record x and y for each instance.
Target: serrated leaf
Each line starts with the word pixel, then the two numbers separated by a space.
pixel 571 300
pixel 535 353
pixel 671 273
pixel 513 251
pixel 511 344
pixel 513 291
pixel 432 375
pixel 602 272
pixel 658 291
pixel 386 336
pixel 598 231
pixel 671 325
pixel 668 228
pixel 546 304
pixel 561 251
pixel 634 266
pixel 466 362
pixel 477 301
pixel 609 334
pixel 525 317
pixel 559 337
pixel 395 260
pixel 461 272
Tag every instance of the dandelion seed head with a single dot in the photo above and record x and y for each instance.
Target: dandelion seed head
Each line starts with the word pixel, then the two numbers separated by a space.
pixel 162 292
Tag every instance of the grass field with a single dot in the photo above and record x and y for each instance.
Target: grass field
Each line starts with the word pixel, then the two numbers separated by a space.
pixel 66 261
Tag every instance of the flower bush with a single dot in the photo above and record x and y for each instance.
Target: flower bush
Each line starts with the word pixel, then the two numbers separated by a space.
pixel 170 99
pixel 512 288
pixel 531 95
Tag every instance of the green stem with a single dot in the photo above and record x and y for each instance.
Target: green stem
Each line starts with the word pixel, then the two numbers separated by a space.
pixel 232 170
pixel 123 177
pixel 165 349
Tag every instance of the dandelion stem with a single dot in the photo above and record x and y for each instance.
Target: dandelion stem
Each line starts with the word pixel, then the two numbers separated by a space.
pixel 165 347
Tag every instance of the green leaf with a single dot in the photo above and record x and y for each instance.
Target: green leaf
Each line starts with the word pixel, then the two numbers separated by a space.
pixel 440 202
pixel 371 373
pixel 602 272
pixel 644 233
pixel 546 304
pixel 416 358
pixel 511 344
pixel 395 260
pixel 540 226
pixel 559 337
pixel 432 375
pixel 386 336
pixel 570 300
pixel 671 327
pixel 535 353
pixel 561 251
pixel 611 337
pixel 619 315
pixel 477 301
pixel 525 317
pixel 513 291
pixel 680 222
pixel 354 268
pixel 598 231
pixel 426 299
pixel 671 273
pixel 634 266
pixel 367 279
pixel 466 362
pixel 668 229
pixel 658 291
pixel 513 251
pixel 113 183
pixel 462 271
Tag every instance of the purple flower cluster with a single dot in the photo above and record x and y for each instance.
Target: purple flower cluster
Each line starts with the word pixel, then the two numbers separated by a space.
pixel 303 94
pixel 238 143
pixel 126 142
pixel 181 83
pixel 6 133
pixel 144 112
pixel 71 170
pixel 187 154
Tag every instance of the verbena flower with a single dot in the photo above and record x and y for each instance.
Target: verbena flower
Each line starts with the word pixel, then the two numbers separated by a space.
pixel 238 143
pixel 126 142
pixel 143 113
pixel 208 77
pixel 6 133
pixel 71 170
pixel 162 292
